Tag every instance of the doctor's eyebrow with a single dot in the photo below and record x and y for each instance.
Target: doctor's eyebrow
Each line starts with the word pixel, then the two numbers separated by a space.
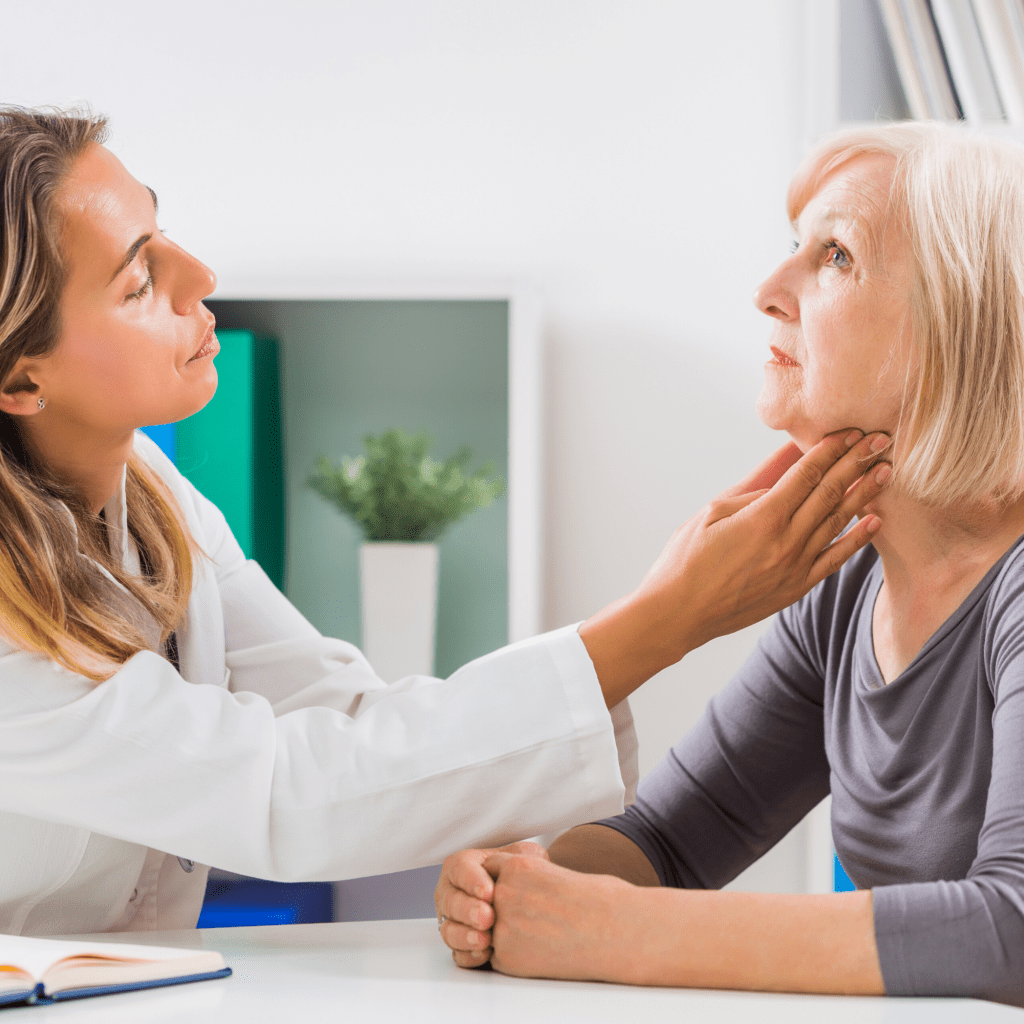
pixel 133 249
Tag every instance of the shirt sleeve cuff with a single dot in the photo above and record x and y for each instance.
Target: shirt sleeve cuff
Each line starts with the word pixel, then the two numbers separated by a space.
pixel 583 690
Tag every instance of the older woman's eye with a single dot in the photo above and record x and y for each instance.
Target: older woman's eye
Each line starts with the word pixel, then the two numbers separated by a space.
pixel 836 257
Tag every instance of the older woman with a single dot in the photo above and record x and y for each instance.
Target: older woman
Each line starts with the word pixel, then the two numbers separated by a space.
pixel 897 685
pixel 163 706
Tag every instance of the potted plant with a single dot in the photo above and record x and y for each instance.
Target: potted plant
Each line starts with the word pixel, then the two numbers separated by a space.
pixel 403 501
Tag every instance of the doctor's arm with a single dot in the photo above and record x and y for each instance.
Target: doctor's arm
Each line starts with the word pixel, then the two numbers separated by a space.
pixel 755 549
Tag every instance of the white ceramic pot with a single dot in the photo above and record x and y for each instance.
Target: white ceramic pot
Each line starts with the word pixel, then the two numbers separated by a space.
pixel 398 590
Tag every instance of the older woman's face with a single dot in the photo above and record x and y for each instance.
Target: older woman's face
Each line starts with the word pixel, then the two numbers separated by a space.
pixel 840 344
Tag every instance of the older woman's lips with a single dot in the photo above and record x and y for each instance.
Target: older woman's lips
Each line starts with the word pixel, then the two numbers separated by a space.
pixel 209 347
pixel 780 358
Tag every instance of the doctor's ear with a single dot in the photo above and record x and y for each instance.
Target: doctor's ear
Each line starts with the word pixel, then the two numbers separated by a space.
pixel 21 395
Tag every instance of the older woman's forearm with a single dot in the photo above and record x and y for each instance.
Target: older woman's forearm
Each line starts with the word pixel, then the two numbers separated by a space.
pixel 600 850
pixel 731 940
pixel 556 923
pixel 757 941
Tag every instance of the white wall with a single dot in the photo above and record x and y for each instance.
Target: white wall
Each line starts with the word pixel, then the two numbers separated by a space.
pixel 628 158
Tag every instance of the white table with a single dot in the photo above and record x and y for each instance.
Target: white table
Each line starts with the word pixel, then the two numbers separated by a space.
pixel 399 971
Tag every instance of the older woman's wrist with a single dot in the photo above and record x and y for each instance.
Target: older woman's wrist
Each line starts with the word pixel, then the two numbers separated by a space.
pixel 626 950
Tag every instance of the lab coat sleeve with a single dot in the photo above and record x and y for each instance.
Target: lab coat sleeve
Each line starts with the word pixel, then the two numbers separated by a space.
pixel 505 748
pixel 312 768
pixel 272 650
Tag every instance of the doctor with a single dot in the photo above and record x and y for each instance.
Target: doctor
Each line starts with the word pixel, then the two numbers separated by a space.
pixel 163 707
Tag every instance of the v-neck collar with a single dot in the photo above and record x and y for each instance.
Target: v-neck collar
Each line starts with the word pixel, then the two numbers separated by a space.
pixel 866 639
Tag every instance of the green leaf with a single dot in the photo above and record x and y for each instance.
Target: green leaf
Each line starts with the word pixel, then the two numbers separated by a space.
pixel 396 491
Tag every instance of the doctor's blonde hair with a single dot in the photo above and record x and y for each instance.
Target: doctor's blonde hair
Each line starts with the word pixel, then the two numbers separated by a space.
pixel 55 600
pixel 960 199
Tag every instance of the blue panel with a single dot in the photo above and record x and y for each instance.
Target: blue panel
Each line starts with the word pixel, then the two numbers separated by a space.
pixel 249 901
pixel 165 435
pixel 238 916
pixel 840 879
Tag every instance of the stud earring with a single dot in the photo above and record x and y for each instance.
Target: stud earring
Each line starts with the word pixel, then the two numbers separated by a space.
pixel 42 403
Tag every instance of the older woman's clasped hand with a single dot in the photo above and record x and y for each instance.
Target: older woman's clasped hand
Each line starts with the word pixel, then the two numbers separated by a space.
pixel 532 918
pixel 464 898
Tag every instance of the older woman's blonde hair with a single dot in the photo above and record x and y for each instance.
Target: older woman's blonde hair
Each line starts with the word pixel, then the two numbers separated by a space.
pixel 960 199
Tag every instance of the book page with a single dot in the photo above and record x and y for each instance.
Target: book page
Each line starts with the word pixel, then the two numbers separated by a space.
pixel 90 972
pixel 12 979
pixel 53 961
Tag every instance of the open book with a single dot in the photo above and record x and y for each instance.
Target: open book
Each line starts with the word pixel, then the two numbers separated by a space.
pixel 46 970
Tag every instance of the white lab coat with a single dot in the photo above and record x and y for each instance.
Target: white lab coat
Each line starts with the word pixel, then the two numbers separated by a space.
pixel 277 753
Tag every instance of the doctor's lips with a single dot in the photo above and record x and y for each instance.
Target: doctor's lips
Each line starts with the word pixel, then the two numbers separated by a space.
pixel 780 358
pixel 209 345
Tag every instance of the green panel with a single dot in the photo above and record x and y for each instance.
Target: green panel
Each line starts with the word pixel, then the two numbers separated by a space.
pixel 215 446
pixel 231 450
pixel 268 524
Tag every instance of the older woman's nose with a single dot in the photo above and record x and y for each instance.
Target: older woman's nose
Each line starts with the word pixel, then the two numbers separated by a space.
pixel 774 299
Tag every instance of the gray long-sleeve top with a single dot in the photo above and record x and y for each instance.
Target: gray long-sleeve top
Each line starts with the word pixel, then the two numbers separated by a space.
pixel 926 775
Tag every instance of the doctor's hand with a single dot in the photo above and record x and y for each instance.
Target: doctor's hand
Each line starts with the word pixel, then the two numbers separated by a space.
pixel 754 550
pixel 464 896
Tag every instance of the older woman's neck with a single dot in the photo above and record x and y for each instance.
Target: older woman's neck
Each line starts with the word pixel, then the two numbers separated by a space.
pixel 931 561
pixel 922 546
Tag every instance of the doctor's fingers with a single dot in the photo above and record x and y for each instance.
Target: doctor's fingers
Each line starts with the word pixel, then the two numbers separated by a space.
pixel 863 491
pixel 813 491
pixel 768 474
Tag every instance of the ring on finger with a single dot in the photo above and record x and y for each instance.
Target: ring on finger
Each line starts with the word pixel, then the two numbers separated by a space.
pixel 444 917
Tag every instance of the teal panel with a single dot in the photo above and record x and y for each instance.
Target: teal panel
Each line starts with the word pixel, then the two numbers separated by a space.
pixel 232 450
pixel 354 367
pixel 268 510
pixel 215 446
